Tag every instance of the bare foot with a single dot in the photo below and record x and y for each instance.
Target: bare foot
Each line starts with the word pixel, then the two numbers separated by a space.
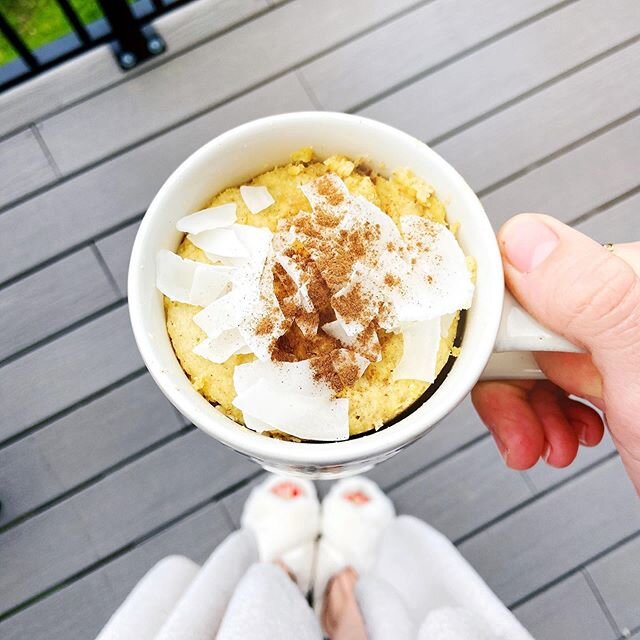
pixel 285 568
pixel 341 617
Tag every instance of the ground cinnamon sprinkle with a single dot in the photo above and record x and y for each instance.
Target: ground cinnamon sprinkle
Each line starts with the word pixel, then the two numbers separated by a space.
pixel 265 326
pixel 328 254
pixel 351 304
pixel 326 189
pixel 338 369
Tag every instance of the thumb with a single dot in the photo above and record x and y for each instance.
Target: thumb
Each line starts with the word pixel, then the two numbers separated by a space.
pixel 575 287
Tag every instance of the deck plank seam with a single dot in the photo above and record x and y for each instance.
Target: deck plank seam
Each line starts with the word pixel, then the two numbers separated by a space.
pixel 434 463
pixel 70 250
pixel 201 112
pixel 603 208
pixel 469 51
pixel 523 504
pixel 593 135
pixel 45 150
pixel 106 270
pixel 529 93
pixel 601 601
pixel 38 344
pixel 89 482
pixel 579 567
pixel 41 424
pixel 114 555
pixel 530 483
pixel 150 65
pixel 308 90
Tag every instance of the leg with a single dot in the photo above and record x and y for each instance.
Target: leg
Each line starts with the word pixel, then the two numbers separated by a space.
pixel 199 612
pixel 148 606
pixel 429 574
pixel 267 605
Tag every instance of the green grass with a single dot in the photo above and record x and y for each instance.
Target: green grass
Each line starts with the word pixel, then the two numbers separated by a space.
pixel 41 21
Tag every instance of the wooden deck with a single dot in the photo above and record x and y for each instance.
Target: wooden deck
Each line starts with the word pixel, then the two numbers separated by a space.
pixel 536 102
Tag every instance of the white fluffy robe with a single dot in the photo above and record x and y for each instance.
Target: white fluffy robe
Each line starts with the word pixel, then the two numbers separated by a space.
pixel 148 606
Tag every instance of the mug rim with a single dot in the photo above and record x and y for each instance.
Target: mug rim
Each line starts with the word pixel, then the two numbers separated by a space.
pixel 370 446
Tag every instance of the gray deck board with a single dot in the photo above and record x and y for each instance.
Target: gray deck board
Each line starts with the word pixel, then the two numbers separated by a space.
pixel 617 578
pixel 544 476
pixel 430 35
pixel 577 181
pixel 82 445
pixel 158 487
pixel 454 431
pixel 619 223
pixel 556 533
pixel 116 251
pixel 114 192
pixel 66 370
pixel 80 609
pixel 97 69
pixel 536 103
pixel 23 166
pixel 211 73
pixel 567 111
pixel 507 68
pixel 52 299
pixel 567 611
pixel 464 492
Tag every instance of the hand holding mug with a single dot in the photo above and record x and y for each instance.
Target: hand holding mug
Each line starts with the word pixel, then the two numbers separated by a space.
pixel 590 294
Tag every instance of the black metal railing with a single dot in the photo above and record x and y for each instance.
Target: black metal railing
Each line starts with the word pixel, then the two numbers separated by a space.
pixel 125 24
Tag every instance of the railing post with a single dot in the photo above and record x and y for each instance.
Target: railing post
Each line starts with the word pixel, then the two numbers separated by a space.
pixel 133 43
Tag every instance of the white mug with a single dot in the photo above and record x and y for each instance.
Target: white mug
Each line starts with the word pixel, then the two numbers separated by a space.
pixel 495 324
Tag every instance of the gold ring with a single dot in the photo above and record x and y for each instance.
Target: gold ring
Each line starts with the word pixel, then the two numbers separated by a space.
pixel 608 246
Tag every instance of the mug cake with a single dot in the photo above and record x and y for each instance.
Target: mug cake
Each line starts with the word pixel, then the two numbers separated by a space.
pixel 319 301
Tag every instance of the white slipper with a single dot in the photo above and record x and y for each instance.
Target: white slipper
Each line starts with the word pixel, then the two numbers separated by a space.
pixel 284 515
pixel 354 514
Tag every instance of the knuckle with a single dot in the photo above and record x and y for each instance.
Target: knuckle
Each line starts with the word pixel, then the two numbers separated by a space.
pixel 605 301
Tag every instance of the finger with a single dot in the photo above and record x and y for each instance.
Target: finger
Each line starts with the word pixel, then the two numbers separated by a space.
pixel 573 372
pixel 585 421
pixel 504 408
pixel 561 444
pixel 576 287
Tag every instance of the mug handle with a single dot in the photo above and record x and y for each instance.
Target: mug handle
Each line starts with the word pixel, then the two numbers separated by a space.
pixel 519 334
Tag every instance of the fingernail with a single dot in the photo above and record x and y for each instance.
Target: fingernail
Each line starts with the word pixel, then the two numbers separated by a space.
pixel 546 453
pixel 527 243
pixel 582 435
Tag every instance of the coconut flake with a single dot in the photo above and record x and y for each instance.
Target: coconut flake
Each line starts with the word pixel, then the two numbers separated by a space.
pixel 189 281
pixel 174 275
pixel 302 416
pixel 220 348
pixel 300 279
pixel 210 281
pixel 256 198
pixel 256 240
pixel 207 219
pixel 284 395
pixel 420 351
pixel 221 315
pixel 440 282
pixel 366 343
pixel 255 424
pixel 295 377
pixel 220 243
pixel 445 323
